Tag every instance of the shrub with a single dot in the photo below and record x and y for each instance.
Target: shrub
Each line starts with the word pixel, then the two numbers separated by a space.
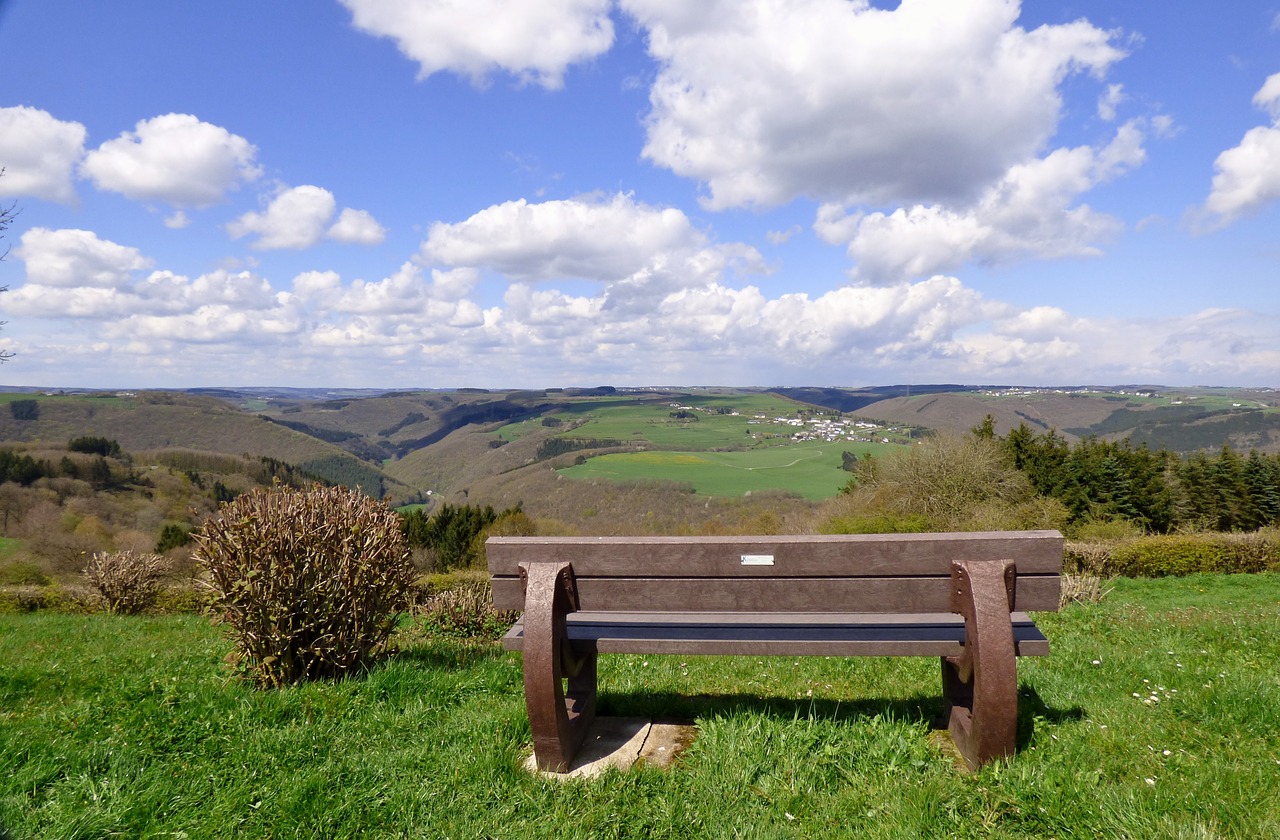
pixel 27 598
pixel 127 580
pixel 1091 558
pixel 953 482
pixel 23 573
pixel 875 523
pixel 309 581
pixel 462 609
pixel 65 598
pixel 1082 589
pixel 1185 554
pixel 178 598
pixel 1106 530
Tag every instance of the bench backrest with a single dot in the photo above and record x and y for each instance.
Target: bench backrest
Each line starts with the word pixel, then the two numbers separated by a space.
pixel 862 573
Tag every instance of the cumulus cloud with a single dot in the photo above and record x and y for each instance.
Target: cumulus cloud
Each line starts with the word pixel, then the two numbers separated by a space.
pixel 295 218
pixel 357 227
pixel 39 153
pixel 75 274
pixel 536 42
pixel 843 102
pixel 174 158
pixel 1247 176
pixel 144 320
pixel 77 258
pixel 1031 212
pixel 298 217
pixel 636 250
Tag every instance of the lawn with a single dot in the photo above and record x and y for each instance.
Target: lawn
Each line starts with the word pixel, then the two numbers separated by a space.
pixel 1157 715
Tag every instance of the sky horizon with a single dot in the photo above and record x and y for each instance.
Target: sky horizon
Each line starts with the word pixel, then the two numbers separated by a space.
pixel 423 194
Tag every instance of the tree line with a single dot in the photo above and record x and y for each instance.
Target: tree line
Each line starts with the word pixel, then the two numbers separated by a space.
pixel 453 533
pixel 1159 490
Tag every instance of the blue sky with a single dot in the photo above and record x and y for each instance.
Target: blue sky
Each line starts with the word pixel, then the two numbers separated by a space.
pixel 366 193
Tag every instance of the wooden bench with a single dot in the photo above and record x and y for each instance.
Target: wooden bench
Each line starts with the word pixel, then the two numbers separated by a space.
pixel 962 597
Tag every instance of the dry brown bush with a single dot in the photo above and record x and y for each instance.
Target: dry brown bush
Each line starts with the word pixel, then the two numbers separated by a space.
pixel 310 582
pixel 950 482
pixel 128 581
pixel 1082 589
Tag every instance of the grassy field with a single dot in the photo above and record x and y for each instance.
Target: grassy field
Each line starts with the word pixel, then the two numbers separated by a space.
pixel 720 445
pixel 1156 716
pixel 811 470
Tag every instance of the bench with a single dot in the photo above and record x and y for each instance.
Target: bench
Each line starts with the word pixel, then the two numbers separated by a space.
pixel 962 597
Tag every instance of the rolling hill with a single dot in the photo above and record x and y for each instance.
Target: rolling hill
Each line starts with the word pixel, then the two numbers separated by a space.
pixel 501 447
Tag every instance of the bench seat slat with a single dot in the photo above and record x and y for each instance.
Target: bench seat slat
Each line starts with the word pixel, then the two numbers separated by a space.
pixel 803 595
pixel 826 634
pixel 1036 552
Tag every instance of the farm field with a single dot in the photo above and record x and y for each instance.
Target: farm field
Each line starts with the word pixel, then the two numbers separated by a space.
pixel 811 470
pixel 1156 715
pixel 718 444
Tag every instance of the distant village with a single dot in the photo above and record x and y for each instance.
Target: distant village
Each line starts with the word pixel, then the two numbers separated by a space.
pixel 819 427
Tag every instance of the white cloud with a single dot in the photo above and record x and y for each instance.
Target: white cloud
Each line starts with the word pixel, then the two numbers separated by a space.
pixel 781 237
pixel 1268 96
pixel 38 153
pixel 77 258
pixel 702 330
pixel 1046 342
pixel 1109 101
pixel 1247 176
pixel 842 102
pixel 537 42
pixel 1031 212
pixel 357 227
pixel 636 250
pixel 177 220
pixel 75 274
pixel 298 217
pixel 295 218
pixel 317 285
pixel 174 158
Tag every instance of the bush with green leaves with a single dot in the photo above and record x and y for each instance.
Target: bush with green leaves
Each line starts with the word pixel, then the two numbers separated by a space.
pixel 948 482
pixel 1166 555
pixel 1185 554
pixel 128 581
pixel 460 607
pixel 310 582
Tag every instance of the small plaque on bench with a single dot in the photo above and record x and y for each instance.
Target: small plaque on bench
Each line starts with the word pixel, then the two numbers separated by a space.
pixel 757 559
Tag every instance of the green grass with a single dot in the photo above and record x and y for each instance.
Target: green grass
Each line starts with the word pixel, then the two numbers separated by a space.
pixel 1157 715
pixel 649 419
pixel 716 454
pixel 96 399
pixel 8 546
pixel 811 470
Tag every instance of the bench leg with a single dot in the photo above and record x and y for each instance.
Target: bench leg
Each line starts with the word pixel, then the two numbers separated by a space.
pixel 559 679
pixel 981 685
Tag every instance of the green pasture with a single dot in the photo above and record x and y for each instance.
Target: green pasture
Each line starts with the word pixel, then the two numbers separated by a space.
pixel 1157 715
pixel 109 399
pixel 647 419
pixel 811 469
